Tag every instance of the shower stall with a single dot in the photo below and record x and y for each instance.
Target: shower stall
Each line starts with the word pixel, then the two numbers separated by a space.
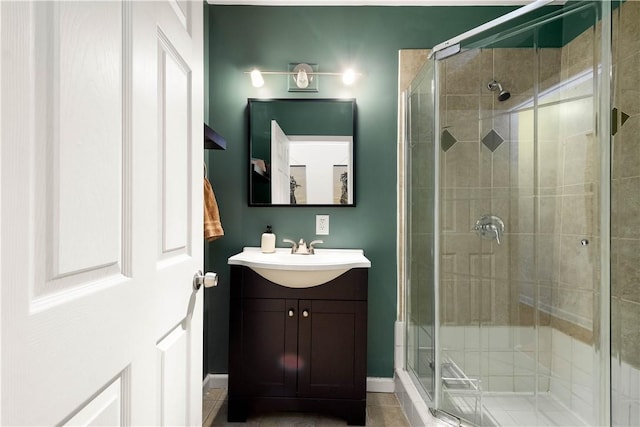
pixel 522 232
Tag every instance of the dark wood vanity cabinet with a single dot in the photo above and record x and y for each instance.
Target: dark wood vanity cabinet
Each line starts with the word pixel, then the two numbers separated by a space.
pixel 300 349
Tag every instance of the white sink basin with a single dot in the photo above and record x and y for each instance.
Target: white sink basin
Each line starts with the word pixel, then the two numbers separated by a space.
pixel 301 271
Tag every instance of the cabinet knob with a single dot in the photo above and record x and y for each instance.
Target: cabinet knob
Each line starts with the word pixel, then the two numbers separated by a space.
pixel 291 312
pixel 305 313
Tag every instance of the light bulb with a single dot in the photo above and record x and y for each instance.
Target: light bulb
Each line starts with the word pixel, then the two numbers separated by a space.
pixel 256 78
pixel 302 81
pixel 348 77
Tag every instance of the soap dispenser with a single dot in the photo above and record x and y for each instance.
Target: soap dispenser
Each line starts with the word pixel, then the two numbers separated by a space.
pixel 268 244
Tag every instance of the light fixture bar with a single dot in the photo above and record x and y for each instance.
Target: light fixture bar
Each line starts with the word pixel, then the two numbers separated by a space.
pixel 284 73
pixel 303 74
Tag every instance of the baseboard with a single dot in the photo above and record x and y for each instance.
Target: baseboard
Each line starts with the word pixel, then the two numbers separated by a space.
pixel 374 384
pixel 215 381
pixel 380 385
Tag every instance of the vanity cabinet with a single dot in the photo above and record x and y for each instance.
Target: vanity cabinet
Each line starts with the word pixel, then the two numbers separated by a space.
pixel 298 349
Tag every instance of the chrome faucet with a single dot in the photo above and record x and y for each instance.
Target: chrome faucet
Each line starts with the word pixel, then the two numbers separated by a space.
pixel 490 227
pixel 301 247
pixel 312 249
pixel 294 245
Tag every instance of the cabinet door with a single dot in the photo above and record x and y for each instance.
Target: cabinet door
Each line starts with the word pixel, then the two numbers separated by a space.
pixel 268 353
pixel 332 349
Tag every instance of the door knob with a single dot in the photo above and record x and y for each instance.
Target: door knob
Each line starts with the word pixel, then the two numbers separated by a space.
pixel 305 313
pixel 208 280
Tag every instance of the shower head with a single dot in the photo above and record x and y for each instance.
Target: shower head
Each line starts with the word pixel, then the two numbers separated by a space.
pixel 503 95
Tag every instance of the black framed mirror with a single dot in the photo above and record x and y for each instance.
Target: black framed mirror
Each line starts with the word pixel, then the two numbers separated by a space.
pixel 302 152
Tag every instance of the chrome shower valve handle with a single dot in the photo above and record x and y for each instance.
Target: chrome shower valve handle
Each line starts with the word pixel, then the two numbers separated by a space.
pixel 490 227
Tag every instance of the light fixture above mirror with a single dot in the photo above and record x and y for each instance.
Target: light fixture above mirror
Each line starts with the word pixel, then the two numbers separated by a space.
pixel 303 76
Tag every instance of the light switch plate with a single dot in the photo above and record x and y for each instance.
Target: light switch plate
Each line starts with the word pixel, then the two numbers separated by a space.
pixel 322 225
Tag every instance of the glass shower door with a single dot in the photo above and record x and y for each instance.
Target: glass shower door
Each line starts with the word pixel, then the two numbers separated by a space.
pixel 518 307
pixel 421 315
pixel 625 227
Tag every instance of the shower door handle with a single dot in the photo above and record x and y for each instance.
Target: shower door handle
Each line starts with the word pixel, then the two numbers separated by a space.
pixel 490 227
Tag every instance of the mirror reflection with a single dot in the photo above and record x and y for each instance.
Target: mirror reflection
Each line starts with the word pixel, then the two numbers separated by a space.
pixel 301 152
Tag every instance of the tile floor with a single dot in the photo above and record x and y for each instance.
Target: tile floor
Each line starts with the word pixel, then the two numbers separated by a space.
pixel 383 410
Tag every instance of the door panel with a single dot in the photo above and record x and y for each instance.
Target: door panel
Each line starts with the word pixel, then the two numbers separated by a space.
pixel 280 166
pixel 269 359
pixel 174 83
pixel 105 409
pixel 332 340
pixel 99 325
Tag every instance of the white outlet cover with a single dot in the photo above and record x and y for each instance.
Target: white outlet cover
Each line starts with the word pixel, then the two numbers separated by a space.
pixel 322 225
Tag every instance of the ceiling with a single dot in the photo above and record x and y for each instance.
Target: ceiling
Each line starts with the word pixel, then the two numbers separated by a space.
pixel 374 2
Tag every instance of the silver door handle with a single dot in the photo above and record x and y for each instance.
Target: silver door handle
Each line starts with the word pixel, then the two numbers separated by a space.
pixel 208 280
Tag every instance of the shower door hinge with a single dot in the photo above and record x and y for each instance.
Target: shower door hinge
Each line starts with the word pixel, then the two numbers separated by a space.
pixel 614 120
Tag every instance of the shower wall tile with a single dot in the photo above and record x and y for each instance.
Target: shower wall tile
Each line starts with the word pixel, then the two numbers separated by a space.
pixel 500 169
pixel 503 304
pixel 626 147
pixel 577 262
pixel 582 358
pixel 472 337
pixel 522 167
pixel 482 301
pixel 578 214
pixel 549 214
pixel 514 68
pixel 549 258
pixel 495 115
pixel 522 265
pixel 472 364
pixel 524 384
pixel 549 122
pixel 579 54
pixel 525 339
pixel 630 333
pixel 628 90
pixel 486 71
pixel 576 114
pixel 462 71
pixel 500 338
pixel 580 160
pixel 411 61
pixel 462 165
pixel 485 170
pixel 501 363
pixel 574 306
pixel 626 269
pixel 521 214
pixel 629 37
pixel 452 337
pixel 549 163
pixel 550 67
pixel 461 116
pixel 626 208
pixel 524 364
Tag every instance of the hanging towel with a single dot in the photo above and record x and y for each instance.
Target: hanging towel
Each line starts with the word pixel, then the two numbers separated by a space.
pixel 212 226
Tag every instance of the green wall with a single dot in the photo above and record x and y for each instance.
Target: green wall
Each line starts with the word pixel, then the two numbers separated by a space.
pixel 367 38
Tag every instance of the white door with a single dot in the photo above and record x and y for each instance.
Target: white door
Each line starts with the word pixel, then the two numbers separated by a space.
pixel 280 165
pixel 101 212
